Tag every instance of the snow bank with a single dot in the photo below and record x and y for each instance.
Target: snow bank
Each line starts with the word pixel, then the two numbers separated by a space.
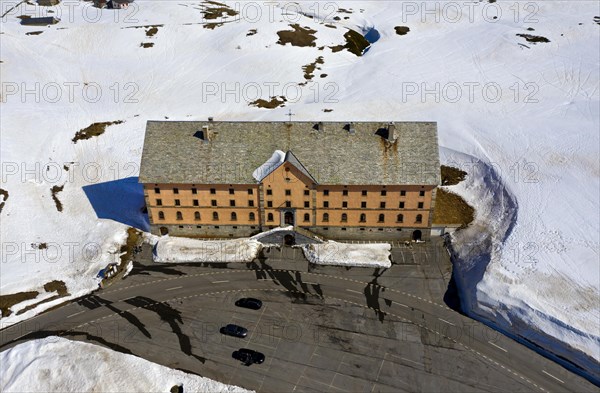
pixel 56 364
pixel 345 254
pixel 506 285
pixel 180 249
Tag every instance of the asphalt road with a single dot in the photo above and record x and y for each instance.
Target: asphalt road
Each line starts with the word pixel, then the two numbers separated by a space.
pixel 321 329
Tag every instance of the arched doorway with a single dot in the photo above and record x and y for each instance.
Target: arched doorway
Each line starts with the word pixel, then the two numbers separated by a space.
pixel 416 235
pixel 164 231
pixel 289 240
pixel 288 218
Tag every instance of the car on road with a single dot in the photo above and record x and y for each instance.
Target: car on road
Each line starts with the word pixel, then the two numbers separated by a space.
pixel 248 356
pixel 249 302
pixel 234 330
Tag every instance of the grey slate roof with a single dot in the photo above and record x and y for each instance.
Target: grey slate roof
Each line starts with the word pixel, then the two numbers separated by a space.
pixel 331 154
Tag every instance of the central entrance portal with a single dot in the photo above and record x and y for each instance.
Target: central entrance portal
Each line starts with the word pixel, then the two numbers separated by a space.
pixel 288 218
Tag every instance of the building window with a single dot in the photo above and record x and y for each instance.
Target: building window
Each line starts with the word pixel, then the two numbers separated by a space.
pixel 400 218
pixel 344 204
pixel 252 217
pixel 345 192
pixel 197 216
pixel 215 216
pixel 382 205
pixel 250 191
pixel 306 192
pixel 401 206
pixel 326 192
pixel 403 193
pixel 233 216
pixel 420 205
pixel 288 204
pixel 383 192
pixel 232 202
pixel 156 190
pixel 195 202
pixel 343 229
pixel 213 191
pixel 325 217
pixel 269 204
pixel 364 192
pixel 419 218
pixel 325 204
pixel 213 202
pixel 363 205
pixel 344 217
pixel 288 192
pixel 159 202
pixel 179 216
pixel 421 193
pixel 251 203
pixel 269 192
pixel 381 218
pixel 306 217
pixel 306 204
pixel 175 190
pixel 177 202
pixel 161 215
pixel 363 218
pixel 194 191
pixel 270 217
pixel 231 191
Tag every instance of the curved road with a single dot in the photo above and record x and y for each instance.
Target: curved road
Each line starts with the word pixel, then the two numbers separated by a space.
pixel 147 307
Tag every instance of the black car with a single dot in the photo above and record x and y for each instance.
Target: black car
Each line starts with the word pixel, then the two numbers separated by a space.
pixel 234 330
pixel 249 302
pixel 248 356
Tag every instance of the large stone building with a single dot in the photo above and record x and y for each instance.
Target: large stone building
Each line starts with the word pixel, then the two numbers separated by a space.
pixel 363 180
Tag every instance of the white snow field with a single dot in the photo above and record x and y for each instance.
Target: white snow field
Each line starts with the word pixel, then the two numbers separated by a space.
pixel 55 364
pixel 529 110
pixel 334 253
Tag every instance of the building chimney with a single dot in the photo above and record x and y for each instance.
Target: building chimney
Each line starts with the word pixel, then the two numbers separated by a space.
pixel 206 133
pixel 211 119
pixel 351 129
pixel 392 133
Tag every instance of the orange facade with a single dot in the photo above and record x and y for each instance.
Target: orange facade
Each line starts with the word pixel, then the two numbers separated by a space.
pixel 288 196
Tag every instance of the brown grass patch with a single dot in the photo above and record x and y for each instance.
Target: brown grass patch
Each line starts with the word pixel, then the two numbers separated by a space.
pixel 93 130
pixel 300 36
pixel 327 110
pixel 275 102
pixel 450 208
pixel 56 286
pixel 533 38
pixel 151 32
pixel 355 43
pixel 309 69
pixel 34 33
pixel 213 10
pixel 8 301
pixel 4 195
pixel 55 190
pixel 251 32
pixel 402 30
pixel 147 44
pixel 452 176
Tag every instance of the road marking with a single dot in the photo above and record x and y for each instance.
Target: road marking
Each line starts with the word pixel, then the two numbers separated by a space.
pixel 412 361
pixel 497 346
pixel 547 373
pixel 172 289
pixel 449 323
pixel 352 290
pixel 218 282
pixel 77 313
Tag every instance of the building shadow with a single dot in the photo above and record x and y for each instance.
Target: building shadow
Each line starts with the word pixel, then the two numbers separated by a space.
pixel 120 200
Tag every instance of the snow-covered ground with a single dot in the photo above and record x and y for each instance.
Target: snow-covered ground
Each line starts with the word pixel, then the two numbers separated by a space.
pixel 346 254
pixel 55 364
pixel 181 249
pixel 528 110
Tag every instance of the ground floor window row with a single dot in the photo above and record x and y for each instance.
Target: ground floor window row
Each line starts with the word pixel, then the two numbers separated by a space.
pixel 305 218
